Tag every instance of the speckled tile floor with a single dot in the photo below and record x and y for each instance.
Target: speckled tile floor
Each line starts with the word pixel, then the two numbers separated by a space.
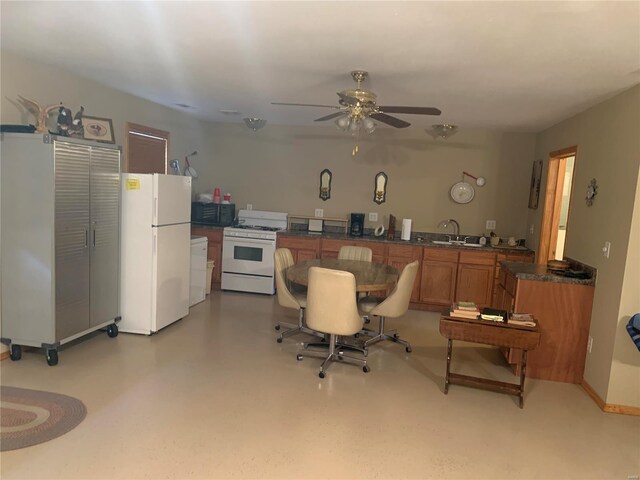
pixel 214 396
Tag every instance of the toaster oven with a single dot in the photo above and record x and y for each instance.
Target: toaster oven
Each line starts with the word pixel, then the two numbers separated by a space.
pixel 216 214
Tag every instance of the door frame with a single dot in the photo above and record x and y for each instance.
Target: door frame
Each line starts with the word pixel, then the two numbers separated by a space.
pixel 553 202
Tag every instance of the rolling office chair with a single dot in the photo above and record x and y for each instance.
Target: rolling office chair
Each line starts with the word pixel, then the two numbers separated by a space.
pixel 288 299
pixel 332 309
pixel 349 252
pixel 394 306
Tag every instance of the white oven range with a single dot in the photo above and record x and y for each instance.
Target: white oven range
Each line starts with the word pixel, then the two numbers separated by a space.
pixel 247 251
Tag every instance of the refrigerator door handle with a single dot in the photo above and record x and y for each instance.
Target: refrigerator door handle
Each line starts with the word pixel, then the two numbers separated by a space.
pixel 155 242
pixel 155 210
pixel 86 237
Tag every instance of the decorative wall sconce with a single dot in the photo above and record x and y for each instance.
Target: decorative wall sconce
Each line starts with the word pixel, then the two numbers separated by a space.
pixel 592 191
pixel 325 184
pixel 380 188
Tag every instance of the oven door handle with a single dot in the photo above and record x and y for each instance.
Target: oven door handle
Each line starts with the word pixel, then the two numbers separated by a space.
pixel 249 240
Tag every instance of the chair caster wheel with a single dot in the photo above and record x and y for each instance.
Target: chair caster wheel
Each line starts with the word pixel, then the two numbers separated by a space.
pixel 279 339
pixel 367 320
pixel 340 357
pixel 277 327
pixel 408 349
pixel 366 369
pixel 321 374
pixel 298 357
pixel 396 336
pixel 356 335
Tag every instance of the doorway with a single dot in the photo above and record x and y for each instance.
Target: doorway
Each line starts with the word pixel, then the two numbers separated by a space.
pixel 557 205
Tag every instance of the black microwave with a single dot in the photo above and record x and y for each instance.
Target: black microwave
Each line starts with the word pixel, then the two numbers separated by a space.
pixel 217 214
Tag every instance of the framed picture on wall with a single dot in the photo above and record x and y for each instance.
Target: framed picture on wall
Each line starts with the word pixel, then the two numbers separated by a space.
pixel 534 191
pixel 99 129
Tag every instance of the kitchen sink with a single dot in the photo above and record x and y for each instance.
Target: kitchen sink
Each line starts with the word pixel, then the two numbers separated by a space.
pixel 460 243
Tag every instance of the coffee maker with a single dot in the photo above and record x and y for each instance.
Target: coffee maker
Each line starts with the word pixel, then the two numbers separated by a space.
pixel 357 224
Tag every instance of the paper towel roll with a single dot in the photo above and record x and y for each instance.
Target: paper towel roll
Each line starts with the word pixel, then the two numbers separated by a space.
pixel 406 229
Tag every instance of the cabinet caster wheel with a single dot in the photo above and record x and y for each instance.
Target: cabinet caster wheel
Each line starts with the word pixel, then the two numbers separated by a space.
pixel 366 369
pixel 52 357
pixel 299 357
pixel 277 327
pixel 321 374
pixel 16 352
pixel 279 339
pixel 112 330
pixel 408 349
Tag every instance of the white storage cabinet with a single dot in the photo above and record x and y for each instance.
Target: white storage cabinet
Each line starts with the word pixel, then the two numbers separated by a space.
pixel 60 240
pixel 198 284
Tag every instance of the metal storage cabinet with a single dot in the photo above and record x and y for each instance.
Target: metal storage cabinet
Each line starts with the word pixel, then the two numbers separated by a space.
pixel 60 240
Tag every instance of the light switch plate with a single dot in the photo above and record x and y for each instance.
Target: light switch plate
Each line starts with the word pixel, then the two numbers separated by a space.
pixel 606 250
pixel 373 216
pixel 319 212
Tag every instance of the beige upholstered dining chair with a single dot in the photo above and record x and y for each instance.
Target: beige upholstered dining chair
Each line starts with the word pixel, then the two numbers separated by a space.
pixel 349 252
pixel 332 309
pixel 287 298
pixel 394 306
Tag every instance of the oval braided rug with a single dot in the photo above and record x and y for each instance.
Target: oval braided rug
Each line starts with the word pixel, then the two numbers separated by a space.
pixel 29 417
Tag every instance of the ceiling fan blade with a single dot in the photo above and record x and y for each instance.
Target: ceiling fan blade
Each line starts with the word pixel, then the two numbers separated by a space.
pixel 347 100
pixel 303 105
pixel 389 120
pixel 412 110
pixel 329 117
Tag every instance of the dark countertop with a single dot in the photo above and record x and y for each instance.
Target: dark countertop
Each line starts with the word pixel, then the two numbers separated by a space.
pixel 540 273
pixel 415 241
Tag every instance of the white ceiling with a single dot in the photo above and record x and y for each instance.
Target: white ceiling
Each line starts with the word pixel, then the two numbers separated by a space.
pixel 519 66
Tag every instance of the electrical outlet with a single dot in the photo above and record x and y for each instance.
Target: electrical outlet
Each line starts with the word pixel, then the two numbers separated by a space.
pixel 531 229
pixel 319 212
pixel 491 225
pixel 606 250
pixel 249 206
pixel 373 216
pixel 590 344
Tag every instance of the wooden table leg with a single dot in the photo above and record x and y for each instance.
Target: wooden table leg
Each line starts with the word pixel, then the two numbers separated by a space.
pixel 522 373
pixel 446 378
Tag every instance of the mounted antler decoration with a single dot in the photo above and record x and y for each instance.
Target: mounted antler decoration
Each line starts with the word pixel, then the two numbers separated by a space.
pixel 41 114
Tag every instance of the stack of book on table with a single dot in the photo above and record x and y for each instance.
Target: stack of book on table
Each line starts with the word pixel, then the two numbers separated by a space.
pixel 464 310
pixel 522 319
pixel 493 315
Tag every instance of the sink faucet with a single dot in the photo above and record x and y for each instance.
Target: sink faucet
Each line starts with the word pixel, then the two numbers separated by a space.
pixel 451 221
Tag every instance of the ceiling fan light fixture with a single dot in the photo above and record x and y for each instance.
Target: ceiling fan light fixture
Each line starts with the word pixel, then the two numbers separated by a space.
pixel 369 125
pixel 443 130
pixel 254 123
pixel 343 122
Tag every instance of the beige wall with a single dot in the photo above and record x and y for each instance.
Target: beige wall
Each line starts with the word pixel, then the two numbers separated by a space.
pixel 609 151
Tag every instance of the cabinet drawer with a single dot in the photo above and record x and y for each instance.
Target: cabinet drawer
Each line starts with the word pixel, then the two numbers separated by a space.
pixel 440 254
pixel 477 258
pixel 298 243
pixel 378 249
pixel 213 235
pixel 404 251
pixel 334 245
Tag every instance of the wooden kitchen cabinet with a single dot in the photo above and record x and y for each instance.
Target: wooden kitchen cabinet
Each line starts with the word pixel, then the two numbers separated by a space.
pixel 563 312
pixel 438 276
pixel 214 251
pixel 475 277
pixel 399 256
pixel 302 248
pixel 331 247
pixel 527 257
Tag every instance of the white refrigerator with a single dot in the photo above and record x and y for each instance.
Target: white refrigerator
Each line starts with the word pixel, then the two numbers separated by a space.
pixel 156 250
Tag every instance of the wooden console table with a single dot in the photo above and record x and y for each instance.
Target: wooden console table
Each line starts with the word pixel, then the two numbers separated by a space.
pixel 489 333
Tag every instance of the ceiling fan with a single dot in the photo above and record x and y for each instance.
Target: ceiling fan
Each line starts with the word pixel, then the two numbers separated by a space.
pixel 359 106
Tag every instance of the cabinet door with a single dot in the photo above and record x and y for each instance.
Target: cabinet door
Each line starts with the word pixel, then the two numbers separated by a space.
pixel 105 235
pixel 438 282
pixel 399 257
pixel 72 263
pixel 303 255
pixel 474 284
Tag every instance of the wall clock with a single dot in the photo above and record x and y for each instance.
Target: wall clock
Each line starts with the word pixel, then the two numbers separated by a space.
pixel 462 192
pixel 592 191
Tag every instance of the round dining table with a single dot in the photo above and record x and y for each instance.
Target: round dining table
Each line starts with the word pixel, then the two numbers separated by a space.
pixel 370 276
